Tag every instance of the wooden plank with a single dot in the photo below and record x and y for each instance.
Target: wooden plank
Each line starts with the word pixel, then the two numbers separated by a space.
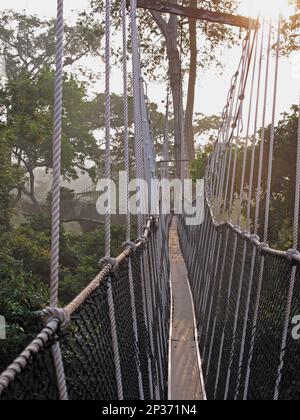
pixel 184 372
pixel 196 13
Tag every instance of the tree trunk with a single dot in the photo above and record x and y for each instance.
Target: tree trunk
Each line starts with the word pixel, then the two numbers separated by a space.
pixel 190 104
pixel 170 32
pixel 176 89
pixel 31 192
pixel 4 186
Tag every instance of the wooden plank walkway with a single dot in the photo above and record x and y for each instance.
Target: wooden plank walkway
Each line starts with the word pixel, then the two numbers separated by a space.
pixel 184 371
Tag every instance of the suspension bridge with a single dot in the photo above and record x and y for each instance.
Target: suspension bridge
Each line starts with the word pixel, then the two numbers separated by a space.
pixel 184 312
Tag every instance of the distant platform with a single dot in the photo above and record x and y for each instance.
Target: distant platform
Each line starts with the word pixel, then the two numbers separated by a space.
pixel 184 370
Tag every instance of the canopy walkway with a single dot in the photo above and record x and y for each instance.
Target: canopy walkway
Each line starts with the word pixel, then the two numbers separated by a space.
pixel 203 311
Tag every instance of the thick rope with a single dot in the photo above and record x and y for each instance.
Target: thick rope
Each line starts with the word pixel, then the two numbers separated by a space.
pixel 166 139
pixel 136 71
pixel 139 161
pixel 294 268
pixel 297 189
pixel 126 115
pixel 255 126
pixel 261 151
pixel 241 277
pixel 240 98
pixel 20 363
pixel 127 170
pixel 54 280
pixel 107 162
pixel 272 136
pixel 256 222
pixel 250 285
pixel 110 299
pixel 247 138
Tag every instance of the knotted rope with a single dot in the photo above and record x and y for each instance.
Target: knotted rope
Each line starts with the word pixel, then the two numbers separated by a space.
pixel 54 280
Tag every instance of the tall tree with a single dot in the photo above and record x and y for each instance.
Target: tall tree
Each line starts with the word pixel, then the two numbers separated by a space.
pixel 26 100
pixel 174 39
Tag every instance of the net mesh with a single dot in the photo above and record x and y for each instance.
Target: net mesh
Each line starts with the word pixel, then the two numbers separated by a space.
pixel 241 297
pixel 87 342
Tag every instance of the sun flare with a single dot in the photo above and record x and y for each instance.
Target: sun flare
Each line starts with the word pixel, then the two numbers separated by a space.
pixel 269 8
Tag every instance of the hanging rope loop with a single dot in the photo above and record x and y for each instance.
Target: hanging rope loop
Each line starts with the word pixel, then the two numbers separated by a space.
pixel 111 262
pixel 49 314
pixel 131 246
pixel 291 253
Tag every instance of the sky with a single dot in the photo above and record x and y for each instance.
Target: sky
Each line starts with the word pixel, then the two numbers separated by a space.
pixel 212 87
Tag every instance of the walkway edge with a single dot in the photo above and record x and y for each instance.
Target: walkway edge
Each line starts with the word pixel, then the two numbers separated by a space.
pixel 197 344
pixel 170 340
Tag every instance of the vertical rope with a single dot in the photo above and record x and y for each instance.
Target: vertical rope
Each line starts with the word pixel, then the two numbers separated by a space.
pixel 107 228
pixel 126 115
pixel 55 234
pixel 294 269
pixel 139 152
pixel 271 151
pixel 255 126
pixel 247 137
pixel 107 164
pixel 127 170
pixel 247 309
pixel 166 138
pixel 256 222
pixel 241 277
pixel 261 151
pixel 137 101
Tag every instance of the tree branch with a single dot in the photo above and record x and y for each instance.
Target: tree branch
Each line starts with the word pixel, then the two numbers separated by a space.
pixel 161 23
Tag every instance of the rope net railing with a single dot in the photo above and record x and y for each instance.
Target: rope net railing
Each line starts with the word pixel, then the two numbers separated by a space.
pixel 86 339
pixel 246 291
pixel 225 317
pixel 111 342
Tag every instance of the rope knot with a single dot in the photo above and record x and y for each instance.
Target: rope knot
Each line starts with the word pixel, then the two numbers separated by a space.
pixel 112 262
pixel 242 97
pixel 130 245
pixel 156 222
pixel 49 314
pixel 255 237
pixel 146 228
pixel 291 253
pixel 142 240
pixel 262 246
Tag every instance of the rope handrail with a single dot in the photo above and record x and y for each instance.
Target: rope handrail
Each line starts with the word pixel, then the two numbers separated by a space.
pixel 262 246
pixel 52 327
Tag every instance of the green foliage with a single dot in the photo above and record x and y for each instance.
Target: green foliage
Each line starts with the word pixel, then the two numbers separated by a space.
pixel 28 42
pixel 25 273
pixel 290 31
pixel 21 293
pixel 28 129
pixel 283 180
pixel 80 259
pixel 153 42
pixel 197 167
